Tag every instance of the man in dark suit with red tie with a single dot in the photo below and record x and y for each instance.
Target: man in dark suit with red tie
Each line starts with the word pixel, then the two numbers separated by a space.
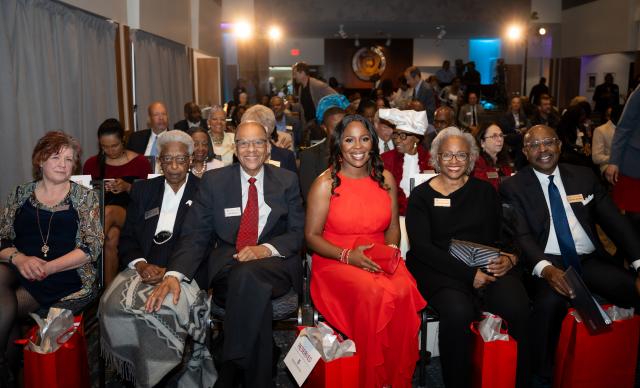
pixel 557 207
pixel 252 214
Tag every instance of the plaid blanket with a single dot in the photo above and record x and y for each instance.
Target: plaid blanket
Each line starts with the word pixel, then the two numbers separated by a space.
pixel 145 347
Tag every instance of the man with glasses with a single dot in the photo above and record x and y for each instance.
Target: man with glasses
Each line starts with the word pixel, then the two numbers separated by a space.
pixel 252 215
pixel 444 117
pixel 557 207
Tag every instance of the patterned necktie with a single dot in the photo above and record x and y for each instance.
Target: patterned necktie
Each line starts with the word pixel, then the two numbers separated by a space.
pixel 386 146
pixel 563 231
pixel 248 232
pixel 153 151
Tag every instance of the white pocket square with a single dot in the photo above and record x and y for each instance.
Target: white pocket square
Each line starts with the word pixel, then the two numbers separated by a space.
pixel 587 200
pixel 189 202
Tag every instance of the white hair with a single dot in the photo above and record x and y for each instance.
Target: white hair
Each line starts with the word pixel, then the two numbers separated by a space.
pixel 262 115
pixel 213 109
pixel 174 136
pixel 453 132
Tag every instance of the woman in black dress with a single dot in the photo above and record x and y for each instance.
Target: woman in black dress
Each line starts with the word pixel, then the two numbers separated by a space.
pixel 50 235
pixel 454 205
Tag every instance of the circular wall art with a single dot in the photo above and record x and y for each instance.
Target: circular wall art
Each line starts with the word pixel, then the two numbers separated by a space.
pixel 369 63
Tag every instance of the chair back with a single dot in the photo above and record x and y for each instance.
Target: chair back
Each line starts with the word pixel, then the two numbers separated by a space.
pixel 98 187
pixel 419 179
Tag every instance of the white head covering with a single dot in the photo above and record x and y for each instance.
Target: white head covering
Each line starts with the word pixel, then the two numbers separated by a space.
pixel 406 120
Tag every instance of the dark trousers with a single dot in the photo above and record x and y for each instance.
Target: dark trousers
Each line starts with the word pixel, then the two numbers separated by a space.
pixel 245 290
pixel 602 277
pixel 505 297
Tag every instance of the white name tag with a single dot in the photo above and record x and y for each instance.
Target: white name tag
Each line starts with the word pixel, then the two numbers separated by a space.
pixel 575 198
pixel 442 202
pixel 274 162
pixel 232 212
pixel 492 175
pixel 301 359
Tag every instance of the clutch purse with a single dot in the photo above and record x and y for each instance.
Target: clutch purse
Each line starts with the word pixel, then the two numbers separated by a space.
pixel 472 254
pixel 385 256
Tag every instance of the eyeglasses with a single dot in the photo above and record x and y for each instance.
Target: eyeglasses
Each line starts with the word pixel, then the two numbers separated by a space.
pixel 496 136
pixel 399 135
pixel 257 143
pixel 162 237
pixel 448 156
pixel 168 159
pixel 548 142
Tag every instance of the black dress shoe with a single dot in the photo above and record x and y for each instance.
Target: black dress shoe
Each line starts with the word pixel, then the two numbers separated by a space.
pixel 7 379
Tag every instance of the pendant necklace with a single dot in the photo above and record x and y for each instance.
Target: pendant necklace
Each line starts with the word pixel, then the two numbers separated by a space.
pixel 45 246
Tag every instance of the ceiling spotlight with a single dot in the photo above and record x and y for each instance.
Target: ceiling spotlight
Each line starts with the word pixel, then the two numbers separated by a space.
pixel 514 32
pixel 275 33
pixel 242 30
pixel 357 42
pixel 542 31
pixel 441 31
pixel 388 42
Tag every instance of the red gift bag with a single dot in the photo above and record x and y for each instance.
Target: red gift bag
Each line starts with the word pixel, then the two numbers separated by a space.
pixel 604 360
pixel 495 362
pixel 67 367
pixel 340 373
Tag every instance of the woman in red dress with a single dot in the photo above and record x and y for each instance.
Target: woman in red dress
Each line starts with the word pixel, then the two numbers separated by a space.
pixel 493 162
pixel 355 198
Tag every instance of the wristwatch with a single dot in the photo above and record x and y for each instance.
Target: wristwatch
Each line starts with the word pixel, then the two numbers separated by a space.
pixel 12 256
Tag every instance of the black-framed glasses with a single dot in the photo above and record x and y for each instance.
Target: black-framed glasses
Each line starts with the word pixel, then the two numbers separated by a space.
pixel 399 135
pixel 448 156
pixel 547 142
pixel 168 159
pixel 495 136
pixel 258 143
pixel 162 237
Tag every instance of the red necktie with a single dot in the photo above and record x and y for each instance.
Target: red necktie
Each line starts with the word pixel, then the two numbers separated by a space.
pixel 248 232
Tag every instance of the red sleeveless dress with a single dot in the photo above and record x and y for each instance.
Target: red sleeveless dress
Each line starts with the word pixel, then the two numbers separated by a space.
pixel 379 312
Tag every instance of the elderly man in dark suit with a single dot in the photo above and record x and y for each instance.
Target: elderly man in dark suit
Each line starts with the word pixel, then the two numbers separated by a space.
pixel 421 90
pixel 557 207
pixel 144 141
pixel 192 118
pixel 252 214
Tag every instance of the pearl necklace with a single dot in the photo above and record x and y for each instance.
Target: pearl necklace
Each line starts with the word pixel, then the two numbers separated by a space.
pixel 199 172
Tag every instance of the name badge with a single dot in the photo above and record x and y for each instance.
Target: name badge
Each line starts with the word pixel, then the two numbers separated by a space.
pixel 575 198
pixel 442 202
pixel 232 212
pixel 492 175
pixel 289 128
pixel 61 208
pixel 151 213
pixel 274 162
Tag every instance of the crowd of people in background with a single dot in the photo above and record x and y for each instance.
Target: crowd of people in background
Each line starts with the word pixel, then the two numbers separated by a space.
pixel 235 181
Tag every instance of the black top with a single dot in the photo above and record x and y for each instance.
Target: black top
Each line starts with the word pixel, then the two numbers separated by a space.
pixel 62 240
pixel 307 103
pixel 473 214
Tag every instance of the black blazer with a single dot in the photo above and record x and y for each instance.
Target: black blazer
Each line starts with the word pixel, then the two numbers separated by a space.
pixel 136 239
pixel 427 97
pixel 313 161
pixel 183 125
pixel 206 223
pixel 138 141
pixel 286 158
pixel 532 222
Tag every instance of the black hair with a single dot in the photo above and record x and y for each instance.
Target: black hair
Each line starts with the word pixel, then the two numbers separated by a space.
pixel 375 165
pixel 302 67
pixel 210 153
pixel 334 110
pixel 110 126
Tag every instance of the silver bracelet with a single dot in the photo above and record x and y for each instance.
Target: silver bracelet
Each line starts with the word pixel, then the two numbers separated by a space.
pixel 12 256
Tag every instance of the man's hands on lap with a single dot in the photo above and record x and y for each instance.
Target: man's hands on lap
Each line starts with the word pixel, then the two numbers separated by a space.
pixel 169 285
pixel 555 277
pixel 254 252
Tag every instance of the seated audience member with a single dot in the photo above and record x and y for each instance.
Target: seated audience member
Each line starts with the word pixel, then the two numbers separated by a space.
pixel 223 142
pixel 493 163
pixel 555 231
pixel 574 133
pixel 513 124
pixel 469 113
pixel 356 198
pixel 403 95
pixel 407 158
pixel 382 102
pixel 192 118
pixel 444 117
pixel 280 157
pixel 51 236
pixel 367 109
pixel 144 142
pixel 255 254
pixel 286 124
pixel 118 167
pixel 202 158
pixel 450 95
pixel 384 130
pixel 602 138
pixel 314 160
pixel 546 113
pixel 460 293
pixel 147 240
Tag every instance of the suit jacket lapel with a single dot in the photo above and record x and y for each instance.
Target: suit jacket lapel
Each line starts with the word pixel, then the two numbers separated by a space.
pixel 188 194
pixel 233 199
pixel 270 198
pixel 537 199
pixel 572 187
pixel 151 224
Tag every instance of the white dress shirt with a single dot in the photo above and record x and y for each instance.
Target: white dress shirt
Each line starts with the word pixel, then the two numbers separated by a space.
pixel 263 211
pixel 168 212
pixel 410 168
pixel 152 139
pixel 580 238
pixel 381 144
